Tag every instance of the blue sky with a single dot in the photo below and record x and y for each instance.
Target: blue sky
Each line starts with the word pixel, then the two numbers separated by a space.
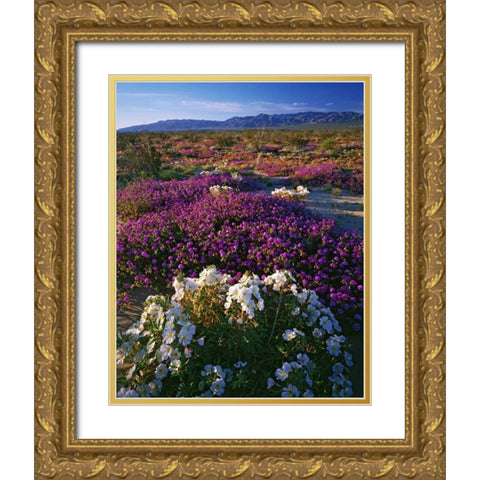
pixel 148 102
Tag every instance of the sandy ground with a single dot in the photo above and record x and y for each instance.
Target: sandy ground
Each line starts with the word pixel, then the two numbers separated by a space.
pixel 346 209
pixel 133 310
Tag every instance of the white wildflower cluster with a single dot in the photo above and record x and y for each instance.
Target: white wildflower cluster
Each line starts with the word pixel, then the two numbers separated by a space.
pixel 161 340
pixel 297 194
pixel 127 393
pixel 289 334
pixel 334 344
pixel 342 387
pixel 324 326
pixel 124 350
pixel 279 279
pixel 153 313
pixel 209 277
pixel 215 380
pixel 246 293
pixel 294 377
pixel 185 346
pixel 316 314
pixel 180 286
pixel 219 189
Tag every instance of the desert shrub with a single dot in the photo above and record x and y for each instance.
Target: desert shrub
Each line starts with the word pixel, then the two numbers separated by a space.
pixel 225 139
pixel 328 144
pixel 298 140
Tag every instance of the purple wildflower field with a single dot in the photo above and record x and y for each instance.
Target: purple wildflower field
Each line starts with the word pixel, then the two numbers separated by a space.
pixel 171 223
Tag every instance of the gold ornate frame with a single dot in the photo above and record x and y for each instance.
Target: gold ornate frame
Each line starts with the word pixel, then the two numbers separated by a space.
pixel 59 25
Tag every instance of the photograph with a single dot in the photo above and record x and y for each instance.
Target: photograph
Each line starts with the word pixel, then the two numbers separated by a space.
pixel 239 233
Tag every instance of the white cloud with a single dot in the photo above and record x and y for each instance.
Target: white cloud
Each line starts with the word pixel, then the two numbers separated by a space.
pixel 233 107
pixel 272 107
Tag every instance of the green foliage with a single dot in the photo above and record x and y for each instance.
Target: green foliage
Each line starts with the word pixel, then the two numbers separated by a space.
pixel 327 144
pixel 255 139
pixel 335 152
pixel 192 136
pixel 224 139
pixel 298 140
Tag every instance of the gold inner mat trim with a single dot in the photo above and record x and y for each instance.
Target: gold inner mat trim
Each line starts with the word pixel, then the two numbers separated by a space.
pixel 366 80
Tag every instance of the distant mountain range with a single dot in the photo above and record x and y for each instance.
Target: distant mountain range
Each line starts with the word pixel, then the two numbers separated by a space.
pixel 285 120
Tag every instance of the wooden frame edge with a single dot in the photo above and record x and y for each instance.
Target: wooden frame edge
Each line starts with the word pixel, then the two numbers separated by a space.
pixel 58 454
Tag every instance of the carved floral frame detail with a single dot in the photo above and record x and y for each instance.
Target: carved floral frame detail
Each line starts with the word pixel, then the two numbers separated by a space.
pixel 59 25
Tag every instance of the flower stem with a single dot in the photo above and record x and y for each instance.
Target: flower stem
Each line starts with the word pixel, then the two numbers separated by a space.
pixel 276 316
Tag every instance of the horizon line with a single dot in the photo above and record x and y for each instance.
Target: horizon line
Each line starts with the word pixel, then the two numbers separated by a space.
pixel 241 116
